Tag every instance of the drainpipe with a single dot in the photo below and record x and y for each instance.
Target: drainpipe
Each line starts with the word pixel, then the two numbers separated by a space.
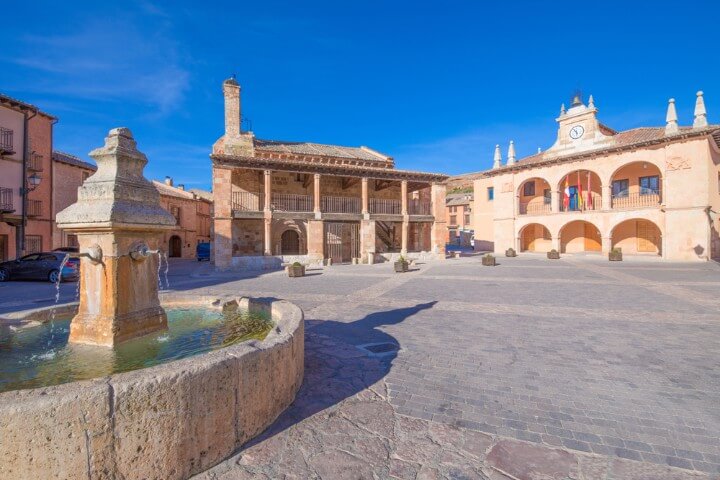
pixel 20 234
pixel 52 186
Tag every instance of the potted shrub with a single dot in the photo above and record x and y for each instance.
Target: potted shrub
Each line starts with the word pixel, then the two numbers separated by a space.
pixel 615 255
pixel 553 254
pixel 488 260
pixel 297 269
pixel 401 265
pixel 510 252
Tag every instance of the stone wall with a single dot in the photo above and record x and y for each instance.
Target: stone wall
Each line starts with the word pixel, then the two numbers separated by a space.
pixel 170 421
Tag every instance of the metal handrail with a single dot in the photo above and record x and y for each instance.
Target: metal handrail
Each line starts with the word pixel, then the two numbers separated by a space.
pixel 290 202
pixel 6 199
pixel 636 199
pixel 247 201
pixel 329 204
pixel 385 206
pixel 6 139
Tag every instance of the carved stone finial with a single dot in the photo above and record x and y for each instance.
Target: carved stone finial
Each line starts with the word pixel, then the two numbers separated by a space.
pixel 562 109
pixel 591 102
pixel 700 112
pixel 497 159
pixel 671 120
pixel 511 153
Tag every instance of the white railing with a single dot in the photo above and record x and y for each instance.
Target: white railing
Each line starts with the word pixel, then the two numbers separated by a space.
pixel 388 207
pixel 534 208
pixel 247 201
pixel 417 207
pixel 289 202
pixel 340 205
pixel 637 199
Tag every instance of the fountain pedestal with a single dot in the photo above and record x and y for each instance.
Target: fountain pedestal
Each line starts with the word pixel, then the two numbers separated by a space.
pixel 118 212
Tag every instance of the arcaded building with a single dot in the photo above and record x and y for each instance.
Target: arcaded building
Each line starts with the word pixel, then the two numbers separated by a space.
pixel 279 201
pixel 648 191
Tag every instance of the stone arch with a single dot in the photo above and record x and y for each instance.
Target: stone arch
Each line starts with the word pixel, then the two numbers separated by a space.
pixel 535 237
pixel 626 186
pixel 637 235
pixel 535 200
pixel 290 242
pixel 580 236
pixel 280 226
pixel 580 180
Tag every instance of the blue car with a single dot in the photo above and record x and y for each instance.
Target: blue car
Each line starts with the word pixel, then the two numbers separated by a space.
pixel 202 251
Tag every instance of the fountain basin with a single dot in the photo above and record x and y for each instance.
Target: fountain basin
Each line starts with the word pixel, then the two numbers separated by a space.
pixel 168 421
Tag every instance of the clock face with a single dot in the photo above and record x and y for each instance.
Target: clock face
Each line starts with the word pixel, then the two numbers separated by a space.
pixel 576 132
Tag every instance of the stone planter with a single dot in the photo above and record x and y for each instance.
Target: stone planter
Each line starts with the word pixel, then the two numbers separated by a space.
pixel 488 261
pixel 401 266
pixel 615 255
pixel 510 252
pixel 296 271
pixel 553 255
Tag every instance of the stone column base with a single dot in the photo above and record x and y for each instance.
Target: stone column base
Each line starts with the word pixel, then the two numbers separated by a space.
pixel 108 330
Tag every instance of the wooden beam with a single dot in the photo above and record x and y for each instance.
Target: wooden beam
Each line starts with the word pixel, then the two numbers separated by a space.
pixel 348 182
pixel 382 184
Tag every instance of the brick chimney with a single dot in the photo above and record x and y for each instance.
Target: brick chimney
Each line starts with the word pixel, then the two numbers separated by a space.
pixel 231 92
pixel 181 186
pixel 169 181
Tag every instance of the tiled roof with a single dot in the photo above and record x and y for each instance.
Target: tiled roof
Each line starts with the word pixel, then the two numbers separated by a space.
pixel 63 157
pixel 172 191
pixel 15 103
pixel 204 194
pixel 637 137
pixel 452 199
pixel 306 148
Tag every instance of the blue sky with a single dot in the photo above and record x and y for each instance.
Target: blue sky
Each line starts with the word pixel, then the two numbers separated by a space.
pixel 434 84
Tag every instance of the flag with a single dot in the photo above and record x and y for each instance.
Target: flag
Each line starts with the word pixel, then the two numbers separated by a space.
pixel 589 198
pixel 579 193
pixel 566 193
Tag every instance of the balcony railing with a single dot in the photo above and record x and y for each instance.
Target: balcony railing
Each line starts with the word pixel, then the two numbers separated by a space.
pixel 534 208
pixel 388 207
pixel 34 208
pixel 289 202
pixel 635 200
pixel 416 207
pixel 6 200
pixel 6 140
pixel 35 162
pixel 340 205
pixel 590 201
pixel 247 201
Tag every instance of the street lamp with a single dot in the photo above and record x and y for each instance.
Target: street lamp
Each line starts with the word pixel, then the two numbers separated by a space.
pixel 33 181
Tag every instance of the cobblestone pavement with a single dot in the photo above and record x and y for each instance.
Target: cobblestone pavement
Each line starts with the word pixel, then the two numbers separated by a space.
pixel 534 369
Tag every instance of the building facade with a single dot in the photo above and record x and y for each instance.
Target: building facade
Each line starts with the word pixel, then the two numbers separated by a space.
pixel 649 191
pixel 69 173
pixel 281 201
pixel 192 212
pixel 26 137
pixel 459 218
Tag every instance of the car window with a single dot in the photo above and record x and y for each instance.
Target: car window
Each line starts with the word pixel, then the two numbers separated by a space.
pixel 48 257
pixel 30 258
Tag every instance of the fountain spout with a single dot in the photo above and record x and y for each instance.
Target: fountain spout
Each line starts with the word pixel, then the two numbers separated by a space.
pixel 94 253
pixel 141 251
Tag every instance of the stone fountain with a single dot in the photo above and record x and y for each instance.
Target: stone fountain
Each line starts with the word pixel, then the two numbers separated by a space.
pixel 119 222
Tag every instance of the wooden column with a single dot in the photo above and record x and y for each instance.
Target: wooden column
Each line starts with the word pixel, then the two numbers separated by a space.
pixel 365 199
pixel 404 197
pixel 268 190
pixel 268 236
pixel 406 218
pixel 316 194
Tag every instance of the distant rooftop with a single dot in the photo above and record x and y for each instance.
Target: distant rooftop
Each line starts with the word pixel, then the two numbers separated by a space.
pixel 307 148
pixel 6 100
pixel 70 159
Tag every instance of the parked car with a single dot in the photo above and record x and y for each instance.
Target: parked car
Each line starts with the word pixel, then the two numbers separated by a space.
pixel 67 249
pixel 202 251
pixel 40 266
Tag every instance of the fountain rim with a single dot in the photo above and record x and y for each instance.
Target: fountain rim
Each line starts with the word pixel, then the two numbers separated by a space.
pixel 287 320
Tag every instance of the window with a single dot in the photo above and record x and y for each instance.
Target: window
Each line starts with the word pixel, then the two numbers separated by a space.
pixel 33 243
pixel 650 185
pixel 72 241
pixel 467 219
pixel 529 189
pixel 620 188
pixel 547 196
pixel 453 219
pixel 491 191
pixel 175 212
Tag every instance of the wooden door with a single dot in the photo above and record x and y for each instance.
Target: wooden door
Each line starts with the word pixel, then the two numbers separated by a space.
pixel 592 239
pixel 333 241
pixel 175 246
pixel 3 248
pixel 290 243
pixel 647 237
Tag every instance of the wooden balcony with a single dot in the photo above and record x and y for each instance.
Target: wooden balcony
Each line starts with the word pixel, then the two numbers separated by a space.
pixel 288 202
pixel 417 207
pixel 340 205
pixel 385 206
pixel 535 208
pixel 624 201
pixel 247 201
pixel 34 208
pixel 6 200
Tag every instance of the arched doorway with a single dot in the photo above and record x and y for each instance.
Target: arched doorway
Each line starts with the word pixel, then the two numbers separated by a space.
pixel 175 246
pixel 535 238
pixel 637 236
pixel 290 243
pixel 580 236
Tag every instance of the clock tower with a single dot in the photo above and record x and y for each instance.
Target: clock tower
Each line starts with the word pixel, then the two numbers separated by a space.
pixel 579 129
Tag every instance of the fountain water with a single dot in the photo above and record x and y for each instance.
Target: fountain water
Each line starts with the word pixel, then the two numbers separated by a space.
pixel 119 221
